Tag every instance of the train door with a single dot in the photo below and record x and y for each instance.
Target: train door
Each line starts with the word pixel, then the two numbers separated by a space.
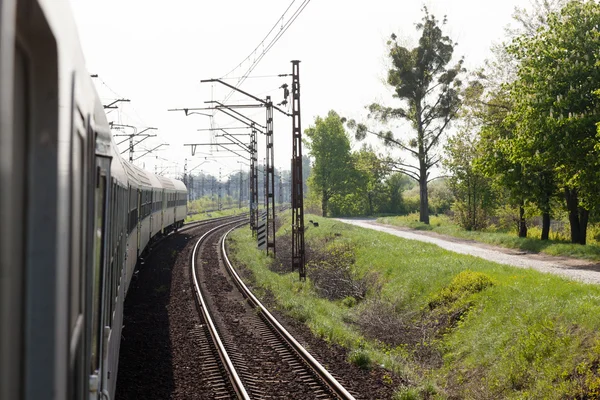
pixel 99 279
pixel 151 210
pixel 174 205
pixel 139 220
pixel 15 115
pixel 162 211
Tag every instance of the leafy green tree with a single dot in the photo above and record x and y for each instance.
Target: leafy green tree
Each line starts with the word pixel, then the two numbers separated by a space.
pixel 395 185
pixel 329 144
pixel 372 171
pixel 472 189
pixel 486 105
pixel 441 197
pixel 555 110
pixel 429 91
pixel 491 103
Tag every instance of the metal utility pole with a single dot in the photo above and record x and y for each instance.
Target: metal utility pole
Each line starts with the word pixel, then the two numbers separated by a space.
pixel 131 136
pixel 253 182
pixel 280 192
pixel 219 192
pixel 185 178
pixel 270 175
pixel 240 189
pixel 270 160
pixel 193 188
pixel 298 251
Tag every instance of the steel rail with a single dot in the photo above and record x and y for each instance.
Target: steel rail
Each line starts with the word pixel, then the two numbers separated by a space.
pixel 194 224
pixel 234 378
pixel 333 384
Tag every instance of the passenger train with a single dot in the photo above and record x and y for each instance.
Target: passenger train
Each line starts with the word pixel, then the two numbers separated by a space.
pixel 75 217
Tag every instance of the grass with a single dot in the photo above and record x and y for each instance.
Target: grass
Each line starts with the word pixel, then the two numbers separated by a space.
pixel 556 247
pixel 215 214
pixel 476 329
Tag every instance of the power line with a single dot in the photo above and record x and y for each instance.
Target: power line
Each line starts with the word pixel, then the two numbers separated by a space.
pixel 253 77
pixel 273 41
pixel 262 41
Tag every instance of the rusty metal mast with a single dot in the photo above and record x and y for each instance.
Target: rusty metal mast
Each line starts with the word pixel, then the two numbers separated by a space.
pixel 298 252
pixel 270 178
pixel 253 182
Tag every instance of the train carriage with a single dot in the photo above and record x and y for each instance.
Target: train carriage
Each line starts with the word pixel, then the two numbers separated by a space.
pixel 156 220
pixel 181 203
pixel 168 209
pixel 75 216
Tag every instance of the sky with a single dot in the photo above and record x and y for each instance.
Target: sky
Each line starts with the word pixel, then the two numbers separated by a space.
pixel 155 53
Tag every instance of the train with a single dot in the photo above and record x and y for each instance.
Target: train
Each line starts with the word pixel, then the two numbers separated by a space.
pixel 75 217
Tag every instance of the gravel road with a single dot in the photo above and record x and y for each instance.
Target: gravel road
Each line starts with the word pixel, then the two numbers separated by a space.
pixel 576 269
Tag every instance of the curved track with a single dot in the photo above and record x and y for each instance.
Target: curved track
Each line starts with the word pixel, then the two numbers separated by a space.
pixel 256 356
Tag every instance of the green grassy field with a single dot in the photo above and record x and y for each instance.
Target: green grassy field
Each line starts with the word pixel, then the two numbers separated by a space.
pixel 450 325
pixel 201 216
pixel 558 246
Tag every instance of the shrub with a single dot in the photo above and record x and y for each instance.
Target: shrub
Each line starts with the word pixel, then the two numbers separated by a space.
pixel 349 302
pixel 407 394
pixel 464 284
pixel 360 358
pixel 332 273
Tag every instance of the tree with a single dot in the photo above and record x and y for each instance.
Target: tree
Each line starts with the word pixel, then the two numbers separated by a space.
pixel 430 95
pixel 555 109
pixel 396 184
pixel 330 146
pixel 531 21
pixel 472 189
pixel 485 108
pixel 372 170
pixel 519 169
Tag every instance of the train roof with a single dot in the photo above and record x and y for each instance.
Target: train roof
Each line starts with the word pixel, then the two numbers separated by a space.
pixel 126 173
pixel 172 184
pixel 154 181
pixel 166 182
pixel 117 170
pixel 180 186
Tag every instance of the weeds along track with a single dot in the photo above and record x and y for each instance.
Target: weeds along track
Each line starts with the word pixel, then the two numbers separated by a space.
pixel 257 358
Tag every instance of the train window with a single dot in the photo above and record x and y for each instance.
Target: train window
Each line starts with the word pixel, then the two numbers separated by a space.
pixel 99 233
pixel 76 230
pixel 78 257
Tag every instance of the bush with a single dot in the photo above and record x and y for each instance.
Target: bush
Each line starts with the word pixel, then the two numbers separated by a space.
pixel 360 358
pixel 407 394
pixel 464 284
pixel 468 218
pixel 349 302
pixel 332 275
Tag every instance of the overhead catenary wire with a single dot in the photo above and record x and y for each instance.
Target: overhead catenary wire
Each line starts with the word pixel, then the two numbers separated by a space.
pixel 273 41
pixel 253 77
pixel 262 41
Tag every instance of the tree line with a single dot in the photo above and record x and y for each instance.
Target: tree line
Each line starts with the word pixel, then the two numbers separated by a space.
pixel 521 132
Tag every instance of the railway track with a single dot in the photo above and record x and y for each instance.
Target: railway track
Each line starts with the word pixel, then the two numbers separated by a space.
pixel 246 352
pixel 188 227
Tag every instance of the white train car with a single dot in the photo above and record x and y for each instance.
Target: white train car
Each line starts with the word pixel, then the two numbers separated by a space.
pixel 75 216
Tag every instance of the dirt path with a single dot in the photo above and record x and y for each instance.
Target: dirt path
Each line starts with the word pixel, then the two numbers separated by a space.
pixel 581 270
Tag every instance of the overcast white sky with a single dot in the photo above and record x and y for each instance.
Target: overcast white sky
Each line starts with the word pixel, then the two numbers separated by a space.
pixel 155 53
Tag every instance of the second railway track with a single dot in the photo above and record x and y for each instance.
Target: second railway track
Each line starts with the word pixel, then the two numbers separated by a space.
pixel 252 355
